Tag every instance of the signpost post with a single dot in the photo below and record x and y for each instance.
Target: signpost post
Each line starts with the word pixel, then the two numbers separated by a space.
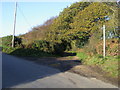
pixel 104 41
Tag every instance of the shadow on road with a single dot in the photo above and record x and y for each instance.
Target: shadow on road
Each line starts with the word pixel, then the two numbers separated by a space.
pixel 17 71
pixel 68 54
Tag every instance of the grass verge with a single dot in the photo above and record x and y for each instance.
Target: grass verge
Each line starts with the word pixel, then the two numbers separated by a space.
pixel 27 52
pixel 108 64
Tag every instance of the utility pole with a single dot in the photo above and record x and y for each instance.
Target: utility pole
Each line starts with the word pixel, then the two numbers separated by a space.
pixel 15 13
pixel 104 41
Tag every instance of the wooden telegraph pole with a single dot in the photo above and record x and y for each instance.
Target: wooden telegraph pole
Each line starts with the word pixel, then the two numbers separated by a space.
pixel 15 13
pixel 104 53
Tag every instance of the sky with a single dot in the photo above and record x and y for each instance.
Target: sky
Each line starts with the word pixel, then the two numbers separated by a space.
pixel 29 14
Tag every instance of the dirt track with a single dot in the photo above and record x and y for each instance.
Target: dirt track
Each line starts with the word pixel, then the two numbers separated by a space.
pixel 74 65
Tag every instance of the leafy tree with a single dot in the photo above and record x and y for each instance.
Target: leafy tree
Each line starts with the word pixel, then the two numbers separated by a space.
pixel 75 25
pixel 62 23
pixel 91 17
pixel 78 22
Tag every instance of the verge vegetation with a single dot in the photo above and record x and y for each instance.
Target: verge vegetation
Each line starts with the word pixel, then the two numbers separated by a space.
pixel 77 29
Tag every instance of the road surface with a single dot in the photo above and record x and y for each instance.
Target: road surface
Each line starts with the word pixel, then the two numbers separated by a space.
pixel 19 73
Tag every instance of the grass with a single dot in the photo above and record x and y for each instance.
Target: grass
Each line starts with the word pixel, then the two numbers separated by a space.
pixel 7 49
pixel 111 65
pixel 25 52
pixel 108 64
pixel 82 56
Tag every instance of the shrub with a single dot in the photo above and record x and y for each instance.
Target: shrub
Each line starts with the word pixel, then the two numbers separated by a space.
pixel 50 47
pixel 41 45
pixel 59 48
pixel 7 41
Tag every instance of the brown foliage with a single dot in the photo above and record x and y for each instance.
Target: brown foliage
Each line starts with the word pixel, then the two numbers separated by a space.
pixel 38 32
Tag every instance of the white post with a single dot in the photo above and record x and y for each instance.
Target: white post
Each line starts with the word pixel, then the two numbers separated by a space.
pixel 15 12
pixel 104 41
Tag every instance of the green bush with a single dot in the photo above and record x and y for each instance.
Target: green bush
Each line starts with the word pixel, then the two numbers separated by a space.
pixel 50 47
pixel 7 41
pixel 59 48
pixel 41 45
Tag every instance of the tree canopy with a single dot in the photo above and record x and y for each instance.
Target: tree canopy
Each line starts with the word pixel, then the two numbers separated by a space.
pixel 79 21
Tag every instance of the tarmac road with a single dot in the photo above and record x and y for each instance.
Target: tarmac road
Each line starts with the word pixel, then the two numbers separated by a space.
pixel 20 73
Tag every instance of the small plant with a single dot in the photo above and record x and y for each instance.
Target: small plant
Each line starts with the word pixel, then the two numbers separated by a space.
pixel 82 56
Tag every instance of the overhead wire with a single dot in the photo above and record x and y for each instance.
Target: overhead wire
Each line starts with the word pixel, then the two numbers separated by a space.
pixel 24 16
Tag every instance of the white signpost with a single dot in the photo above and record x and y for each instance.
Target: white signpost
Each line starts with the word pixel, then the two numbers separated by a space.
pixel 104 41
